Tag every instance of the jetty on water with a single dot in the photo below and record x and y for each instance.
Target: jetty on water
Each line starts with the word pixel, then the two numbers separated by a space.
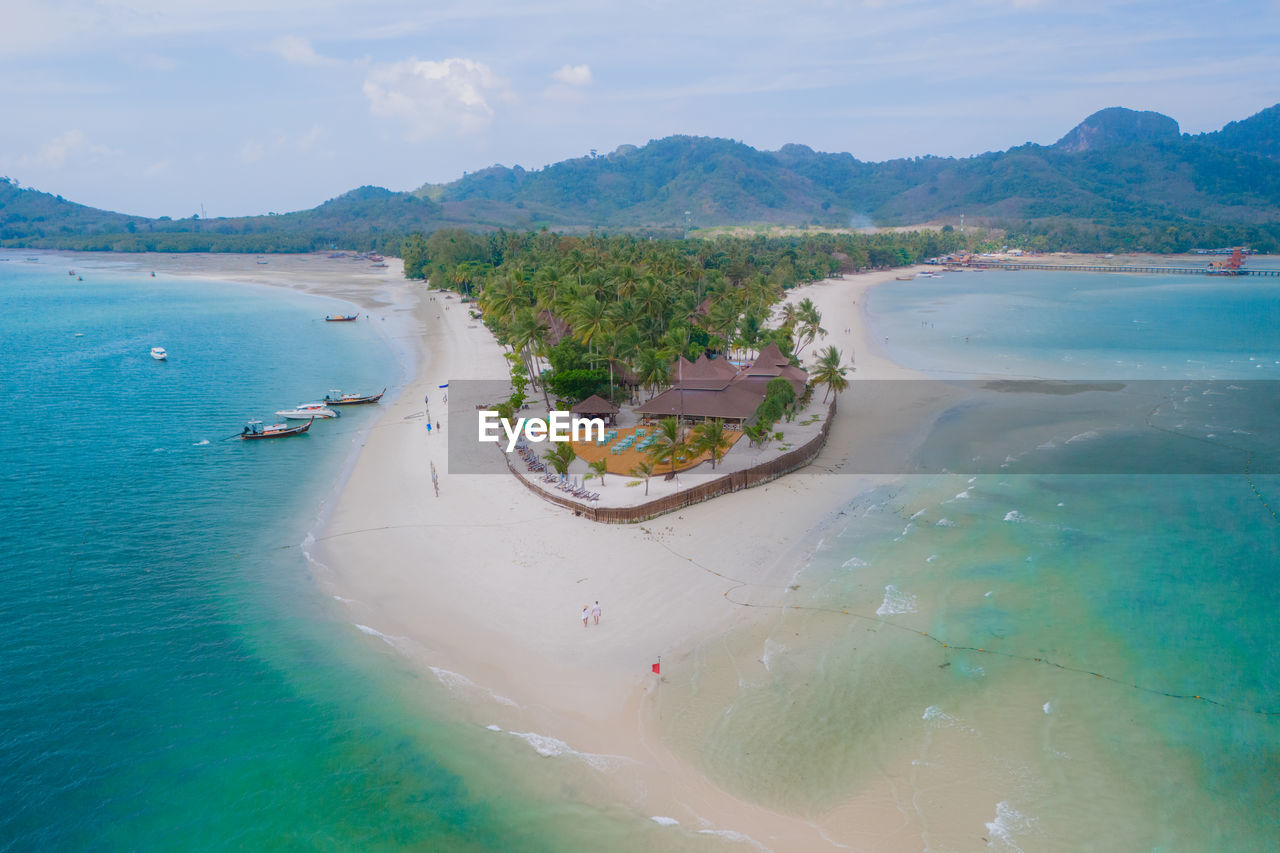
pixel 1026 265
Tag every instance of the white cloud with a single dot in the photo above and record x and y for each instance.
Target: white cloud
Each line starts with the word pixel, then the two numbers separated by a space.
pixel 297 50
pixel 432 98
pixel 310 138
pixel 251 151
pixel 69 146
pixel 158 168
pixel 573 75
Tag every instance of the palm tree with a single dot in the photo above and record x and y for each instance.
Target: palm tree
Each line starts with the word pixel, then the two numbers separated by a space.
pixel 758 433
pixel 654 367
pixel 828 371
pixel 809 325
pixel 787 315
pixel 709 436
pixel 528 335
pixel 668 443
pixel 560 456
pixel 599 467
pixel 502 296
pixel 577 263
pixel 644 470
pixel 590 320
pixel 750 330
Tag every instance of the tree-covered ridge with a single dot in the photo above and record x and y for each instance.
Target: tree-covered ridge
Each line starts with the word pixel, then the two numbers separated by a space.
pixel 1120 180
pixel 609 315
pixel 1258 135
pixel 366 218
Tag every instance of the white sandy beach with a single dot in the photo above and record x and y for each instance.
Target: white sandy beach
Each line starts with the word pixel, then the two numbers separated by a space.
pixel 487 581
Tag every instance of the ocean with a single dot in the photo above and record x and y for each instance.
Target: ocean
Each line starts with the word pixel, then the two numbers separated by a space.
pixel 173 677
pixel 1022 657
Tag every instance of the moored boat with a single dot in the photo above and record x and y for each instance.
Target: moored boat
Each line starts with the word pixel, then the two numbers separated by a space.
pixel 159 354
pixel 337 398
pixel 340 318
pixel 256 429
pixel 303 411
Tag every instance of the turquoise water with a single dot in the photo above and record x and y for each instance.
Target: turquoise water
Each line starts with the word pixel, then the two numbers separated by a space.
pixel 1082 325
pixel 172 677
pixel 1165 586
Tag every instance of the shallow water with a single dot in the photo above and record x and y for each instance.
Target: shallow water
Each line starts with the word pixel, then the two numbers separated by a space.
pixel 173 677
pixel 1038 661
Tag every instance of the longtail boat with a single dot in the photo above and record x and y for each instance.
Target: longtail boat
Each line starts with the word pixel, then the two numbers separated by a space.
pixel 337 398
pixel 340 318
pixel 255 429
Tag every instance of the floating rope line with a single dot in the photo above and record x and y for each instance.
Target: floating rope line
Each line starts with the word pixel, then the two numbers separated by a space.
pixel 1248 475
pixel 1039 659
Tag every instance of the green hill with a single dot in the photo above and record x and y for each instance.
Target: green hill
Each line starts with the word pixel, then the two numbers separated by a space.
pixel 1119 178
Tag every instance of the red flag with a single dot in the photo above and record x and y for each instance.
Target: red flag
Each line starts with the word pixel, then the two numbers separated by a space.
pixel 656 667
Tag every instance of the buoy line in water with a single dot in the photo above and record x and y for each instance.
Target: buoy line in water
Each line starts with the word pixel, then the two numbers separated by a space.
pixel 838 611
pixel 1248 475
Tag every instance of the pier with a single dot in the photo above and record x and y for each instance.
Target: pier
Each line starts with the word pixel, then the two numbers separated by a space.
pixel 1023 265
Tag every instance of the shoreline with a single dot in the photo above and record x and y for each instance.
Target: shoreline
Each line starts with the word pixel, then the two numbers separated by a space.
pixel 744 737
pixel 501 612
pixel 498 614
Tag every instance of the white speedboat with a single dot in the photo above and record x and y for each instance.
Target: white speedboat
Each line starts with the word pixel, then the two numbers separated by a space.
pixel 159 354
pixel 306 411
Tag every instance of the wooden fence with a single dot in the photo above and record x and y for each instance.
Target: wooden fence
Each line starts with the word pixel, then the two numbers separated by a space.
pixel 733 482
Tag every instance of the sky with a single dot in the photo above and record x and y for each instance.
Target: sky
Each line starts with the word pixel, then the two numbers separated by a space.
pixel 236 107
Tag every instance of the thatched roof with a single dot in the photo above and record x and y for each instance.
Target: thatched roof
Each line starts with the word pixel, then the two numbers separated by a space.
pixel 735 403
pixel 595 405
pixel 705 374
pixel 769 363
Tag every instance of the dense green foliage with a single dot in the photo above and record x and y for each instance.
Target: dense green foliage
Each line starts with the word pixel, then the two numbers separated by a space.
pixel 1120 180
pixel 778 398
pixel 609 315
pixel 577 385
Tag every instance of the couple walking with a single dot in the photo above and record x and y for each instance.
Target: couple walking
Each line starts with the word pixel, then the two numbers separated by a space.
pixel 589 613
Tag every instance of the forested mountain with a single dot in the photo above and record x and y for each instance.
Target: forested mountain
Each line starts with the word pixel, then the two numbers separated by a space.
pixel 1120 178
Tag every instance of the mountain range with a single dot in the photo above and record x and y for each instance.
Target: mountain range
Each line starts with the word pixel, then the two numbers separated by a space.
pixel 1119 171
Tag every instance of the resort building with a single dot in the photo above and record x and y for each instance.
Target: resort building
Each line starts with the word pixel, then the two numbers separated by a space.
pixel 714 388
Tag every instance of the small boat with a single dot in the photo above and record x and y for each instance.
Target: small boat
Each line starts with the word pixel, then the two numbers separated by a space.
pixel 341 318
pixel 256 429
pixel 304 411
pixel 159 354
pixel 909 277
pixel 379 266
pixel 337 398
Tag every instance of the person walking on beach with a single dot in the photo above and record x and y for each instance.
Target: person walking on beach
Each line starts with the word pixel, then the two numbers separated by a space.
pixel 585 615
pixel 595 613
